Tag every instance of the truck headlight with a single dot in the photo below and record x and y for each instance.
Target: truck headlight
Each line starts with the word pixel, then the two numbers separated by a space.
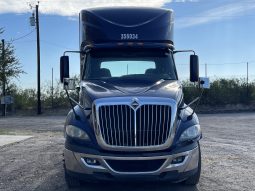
pixel 191 133
pixel 76 132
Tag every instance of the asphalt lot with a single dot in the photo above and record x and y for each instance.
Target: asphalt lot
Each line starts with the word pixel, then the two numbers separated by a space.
pixel 228 156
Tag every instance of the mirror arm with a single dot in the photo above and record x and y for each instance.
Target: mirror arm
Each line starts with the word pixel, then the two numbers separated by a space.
pixel 71 100
pixel 86 49
pixel 191 115
pixel 76 103
pixel 72 106
pixel 177 51
pixel 72 51
pixel 86 109
pixel 185 107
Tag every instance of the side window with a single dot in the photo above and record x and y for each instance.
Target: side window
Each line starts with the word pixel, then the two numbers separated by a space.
pixel 121 68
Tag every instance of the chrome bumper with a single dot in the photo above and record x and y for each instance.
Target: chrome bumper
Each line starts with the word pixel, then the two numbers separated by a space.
pixel 75 162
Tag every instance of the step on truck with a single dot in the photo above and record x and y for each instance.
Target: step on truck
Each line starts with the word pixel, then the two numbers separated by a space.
pixel 130 122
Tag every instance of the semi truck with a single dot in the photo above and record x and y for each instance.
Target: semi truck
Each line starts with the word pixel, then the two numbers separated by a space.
pixel 130 122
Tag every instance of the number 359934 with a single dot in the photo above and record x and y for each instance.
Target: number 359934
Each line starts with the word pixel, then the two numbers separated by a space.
pixel 128 36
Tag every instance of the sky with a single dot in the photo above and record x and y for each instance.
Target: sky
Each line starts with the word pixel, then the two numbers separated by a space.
pixel 222 33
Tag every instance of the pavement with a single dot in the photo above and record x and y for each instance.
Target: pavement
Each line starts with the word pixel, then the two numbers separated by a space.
pixel 9 139
pixel 228 155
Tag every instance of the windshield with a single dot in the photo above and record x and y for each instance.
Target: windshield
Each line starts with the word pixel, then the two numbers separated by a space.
pixel 126 64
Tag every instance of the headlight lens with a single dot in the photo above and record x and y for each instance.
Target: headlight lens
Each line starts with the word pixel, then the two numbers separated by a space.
pixel 76 132
pixel 191 133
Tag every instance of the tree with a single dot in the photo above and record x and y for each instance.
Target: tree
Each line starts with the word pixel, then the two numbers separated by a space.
pixel 10 67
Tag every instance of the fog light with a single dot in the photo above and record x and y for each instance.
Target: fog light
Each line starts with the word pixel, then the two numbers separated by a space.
pixel 91 161
pixel 178 160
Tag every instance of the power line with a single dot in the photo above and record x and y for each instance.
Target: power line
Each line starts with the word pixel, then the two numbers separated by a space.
pixel 55 44
pixel 26 41
pixel 21 37
pixel 229 63
pixel 47 43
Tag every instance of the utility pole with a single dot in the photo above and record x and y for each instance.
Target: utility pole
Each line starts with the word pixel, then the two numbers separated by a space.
pixel 205 70
pixel 34 21
pixel 4 80
pixel 247 82
pixel 52 88
pixel 39 111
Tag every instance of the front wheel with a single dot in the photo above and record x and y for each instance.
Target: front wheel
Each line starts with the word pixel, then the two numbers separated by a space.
pixel 71 181
pixel 194 179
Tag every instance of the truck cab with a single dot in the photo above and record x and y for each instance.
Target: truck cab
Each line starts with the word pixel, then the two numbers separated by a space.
pixel 130 122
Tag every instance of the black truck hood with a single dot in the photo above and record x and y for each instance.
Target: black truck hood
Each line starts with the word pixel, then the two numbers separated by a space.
pixel 95 89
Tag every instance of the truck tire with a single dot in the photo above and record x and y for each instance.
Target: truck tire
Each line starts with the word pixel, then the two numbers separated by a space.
pixel 194 179
pixel 71 181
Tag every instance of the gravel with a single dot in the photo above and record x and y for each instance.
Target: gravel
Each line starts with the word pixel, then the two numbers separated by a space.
pixel 228 155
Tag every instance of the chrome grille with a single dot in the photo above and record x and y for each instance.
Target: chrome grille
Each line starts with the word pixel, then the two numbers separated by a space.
pixel 117 125
pixel 146 125
pixel 153 124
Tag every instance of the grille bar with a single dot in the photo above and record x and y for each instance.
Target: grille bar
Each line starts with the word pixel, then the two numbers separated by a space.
pixel 147 125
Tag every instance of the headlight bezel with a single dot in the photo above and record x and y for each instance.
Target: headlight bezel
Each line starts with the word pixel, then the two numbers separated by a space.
pixel 76 133
pixel 191 133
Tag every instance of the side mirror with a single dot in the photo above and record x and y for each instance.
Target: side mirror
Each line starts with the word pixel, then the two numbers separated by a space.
pixel 64 68
pixel 194 68
pixel 204 83
pixel 69 83
pixel 78 88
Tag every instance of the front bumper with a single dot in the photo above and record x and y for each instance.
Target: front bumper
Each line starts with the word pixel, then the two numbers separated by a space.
pixel 76 165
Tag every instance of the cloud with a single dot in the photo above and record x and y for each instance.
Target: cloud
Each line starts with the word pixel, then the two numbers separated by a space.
pixel 224 12
pixel 72 18
pixel 73 7
pixel 184 1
